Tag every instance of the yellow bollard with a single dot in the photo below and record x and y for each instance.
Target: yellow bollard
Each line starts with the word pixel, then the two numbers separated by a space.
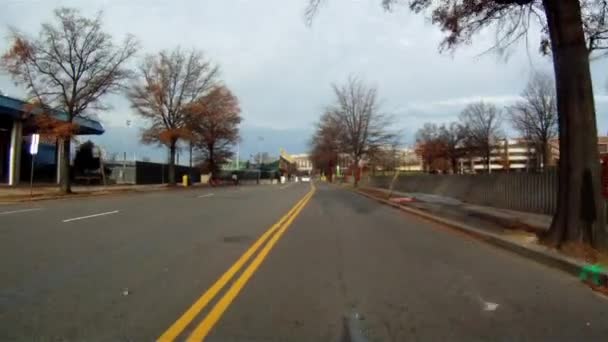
pixel 185 180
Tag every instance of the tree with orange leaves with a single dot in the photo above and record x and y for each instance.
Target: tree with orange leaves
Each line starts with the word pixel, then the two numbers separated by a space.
pixel 47 124
pixel 167 85
pixel 213 121
pixel 430 147
pixel 325 144
pixel 68 69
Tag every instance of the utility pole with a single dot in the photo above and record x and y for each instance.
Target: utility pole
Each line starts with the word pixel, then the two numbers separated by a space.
pixel 260 138
pixel 35 140
pixel 190 154
pixel 237 155
pixel 101 165
pixel 124 157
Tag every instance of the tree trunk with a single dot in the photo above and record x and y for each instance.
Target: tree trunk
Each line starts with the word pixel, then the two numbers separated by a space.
pixel 580 215
pixel 172 151
pixel 489 161
pixel 65 182
pixel 546 158
pixel 356 173
pixel 454 162
pixel 190 156
pixel 211 160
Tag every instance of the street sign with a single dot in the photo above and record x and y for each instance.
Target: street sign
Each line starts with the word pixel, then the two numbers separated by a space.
pixel 33 151
pixel 34 144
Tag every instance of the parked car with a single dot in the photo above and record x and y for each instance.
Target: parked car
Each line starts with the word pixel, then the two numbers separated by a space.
pixel 305 178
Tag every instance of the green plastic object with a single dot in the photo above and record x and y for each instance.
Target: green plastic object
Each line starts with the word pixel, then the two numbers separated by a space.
pixel 592 271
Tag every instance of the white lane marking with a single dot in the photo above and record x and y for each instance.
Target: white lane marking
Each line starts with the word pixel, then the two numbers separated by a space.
pixel 206 195
pixel 489 306
pixel 90 216
pixel 19 211
pixel 285 186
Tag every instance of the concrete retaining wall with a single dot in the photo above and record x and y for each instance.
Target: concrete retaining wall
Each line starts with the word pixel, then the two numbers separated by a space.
pixel 530 192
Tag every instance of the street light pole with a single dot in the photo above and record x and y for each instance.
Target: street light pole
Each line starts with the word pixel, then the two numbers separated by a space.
pixel 190 162
pixel 260 138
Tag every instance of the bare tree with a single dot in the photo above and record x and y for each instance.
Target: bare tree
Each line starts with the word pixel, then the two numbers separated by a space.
pixel 167 84
pixel 69 68
pixel 535 115
pixel 481 122
pixel 451 137
pixel 214 122
pixel 573 30
pixel 386 157
pixel 364 126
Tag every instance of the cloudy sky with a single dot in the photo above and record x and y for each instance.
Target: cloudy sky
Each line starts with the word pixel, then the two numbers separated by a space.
pixel 281 69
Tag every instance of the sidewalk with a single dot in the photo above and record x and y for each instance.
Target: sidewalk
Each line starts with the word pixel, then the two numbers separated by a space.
pixel 42 192
pixel 512 230
pixel 501 220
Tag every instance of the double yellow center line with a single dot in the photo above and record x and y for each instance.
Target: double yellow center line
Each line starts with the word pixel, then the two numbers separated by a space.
pixel 267 240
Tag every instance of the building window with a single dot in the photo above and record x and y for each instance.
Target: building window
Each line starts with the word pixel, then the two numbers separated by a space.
pixel 602 148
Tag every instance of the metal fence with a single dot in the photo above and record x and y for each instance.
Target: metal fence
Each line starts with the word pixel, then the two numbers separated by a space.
pixel 139 172
pixel 530 192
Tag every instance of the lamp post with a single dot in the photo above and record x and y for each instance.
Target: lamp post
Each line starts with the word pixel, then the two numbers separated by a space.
pixel 237 155
pixel 260 138
pixel 190 161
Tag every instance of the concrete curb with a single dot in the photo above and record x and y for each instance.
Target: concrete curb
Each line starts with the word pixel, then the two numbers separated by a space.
pixel 540 254
pixel 107 192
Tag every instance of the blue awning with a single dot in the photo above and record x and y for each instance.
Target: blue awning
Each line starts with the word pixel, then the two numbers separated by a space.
pixel 14 108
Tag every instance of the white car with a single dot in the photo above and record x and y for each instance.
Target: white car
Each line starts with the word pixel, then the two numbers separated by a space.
pixel 305 178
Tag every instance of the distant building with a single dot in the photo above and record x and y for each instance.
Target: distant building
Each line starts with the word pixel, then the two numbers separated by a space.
pixel 509 154
pixel 402 159
pixel 408 160
pixel 519 155
pixel 287 164
pixel 303 162
pixel 602 147
pixel 234 164
pixel 405 160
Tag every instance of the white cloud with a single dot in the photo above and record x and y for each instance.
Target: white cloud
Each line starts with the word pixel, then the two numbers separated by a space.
pixel 463 101
pixel 452 106
pixel 601 98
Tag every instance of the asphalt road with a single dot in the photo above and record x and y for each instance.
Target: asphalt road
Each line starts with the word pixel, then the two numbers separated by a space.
pixel 337 267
